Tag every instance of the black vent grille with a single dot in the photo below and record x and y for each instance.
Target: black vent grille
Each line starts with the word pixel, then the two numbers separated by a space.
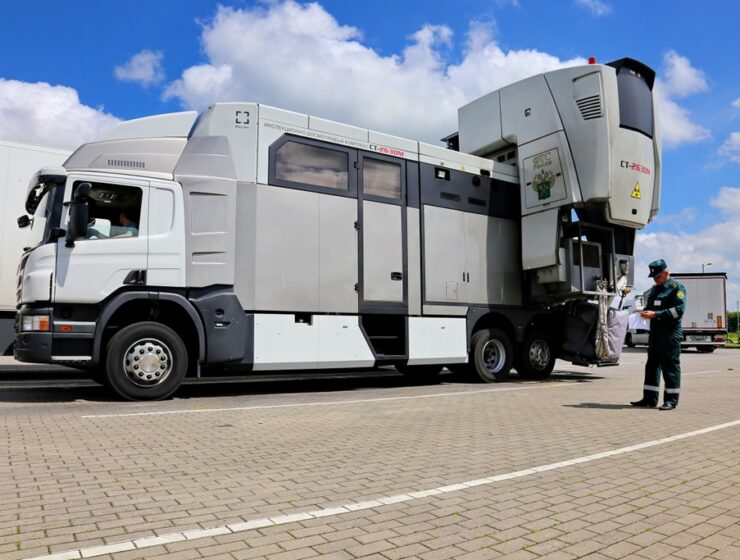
pixel 126 163
pixel 590 107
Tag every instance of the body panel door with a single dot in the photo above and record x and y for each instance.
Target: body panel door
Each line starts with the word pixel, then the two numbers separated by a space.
pixel 166 236
pixel 382 223
pixel 444 255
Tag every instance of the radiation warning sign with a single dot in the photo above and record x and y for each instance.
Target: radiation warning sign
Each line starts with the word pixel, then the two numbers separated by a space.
pixel 636 191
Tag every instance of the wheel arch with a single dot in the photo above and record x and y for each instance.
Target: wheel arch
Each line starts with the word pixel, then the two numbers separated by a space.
pixel 170 309
pixel 546 322
pixel 490 320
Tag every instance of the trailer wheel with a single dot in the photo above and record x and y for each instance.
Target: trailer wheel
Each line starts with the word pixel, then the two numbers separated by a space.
pixel 146 361
pixel 628 341
pixel 537 357
pixel 420 373
pixel 491 354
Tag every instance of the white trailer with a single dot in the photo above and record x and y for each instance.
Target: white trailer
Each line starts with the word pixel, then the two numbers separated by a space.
pixel 704 321
pixel 18 162
pixel 253 238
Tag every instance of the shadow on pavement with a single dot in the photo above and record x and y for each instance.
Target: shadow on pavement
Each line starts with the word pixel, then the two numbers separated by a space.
pixel 603 406
pixel 56 387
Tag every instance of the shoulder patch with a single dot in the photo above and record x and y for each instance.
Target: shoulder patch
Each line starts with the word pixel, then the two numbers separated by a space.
pixel 680 294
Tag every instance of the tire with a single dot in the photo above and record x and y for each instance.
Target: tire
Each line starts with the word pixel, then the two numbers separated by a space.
pixel 628 341
pixel 420 373
pixel 536 359
pixel 705 349
pixel 492 355
pixel 160 369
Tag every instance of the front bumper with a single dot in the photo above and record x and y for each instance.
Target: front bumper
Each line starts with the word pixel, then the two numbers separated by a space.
pixel 33 347
pixel 67 342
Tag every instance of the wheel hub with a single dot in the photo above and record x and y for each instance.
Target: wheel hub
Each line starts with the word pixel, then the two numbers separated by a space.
pixel 147 362
pixel 494 356
pixel 539 354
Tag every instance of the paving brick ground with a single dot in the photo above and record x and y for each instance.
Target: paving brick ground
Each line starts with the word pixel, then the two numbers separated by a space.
pixel 71 479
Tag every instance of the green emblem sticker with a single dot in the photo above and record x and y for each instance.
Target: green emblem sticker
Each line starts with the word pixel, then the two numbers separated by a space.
pixel 542 184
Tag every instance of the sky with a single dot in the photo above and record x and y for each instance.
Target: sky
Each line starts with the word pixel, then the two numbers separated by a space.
pixel 71 70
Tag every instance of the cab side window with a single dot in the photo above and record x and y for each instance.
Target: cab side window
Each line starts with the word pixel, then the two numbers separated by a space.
pixel 114 211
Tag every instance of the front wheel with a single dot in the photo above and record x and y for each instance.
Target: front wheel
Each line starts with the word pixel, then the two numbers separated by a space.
pixel 537 358
pixel 491 355
pixel 628 341
pixel 146 361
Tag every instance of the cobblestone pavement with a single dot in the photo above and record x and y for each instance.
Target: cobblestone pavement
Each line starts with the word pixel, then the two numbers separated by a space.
pixel 375 468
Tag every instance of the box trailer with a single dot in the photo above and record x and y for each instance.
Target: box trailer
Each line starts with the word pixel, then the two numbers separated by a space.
pixel 18 162
pixel 250 238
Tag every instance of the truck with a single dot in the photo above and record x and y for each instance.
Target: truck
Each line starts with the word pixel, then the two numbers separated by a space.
pixel 18 162
pixel 704 322
pixel 249 238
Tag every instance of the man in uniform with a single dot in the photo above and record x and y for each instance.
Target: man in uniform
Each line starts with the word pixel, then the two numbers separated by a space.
pixel 665 305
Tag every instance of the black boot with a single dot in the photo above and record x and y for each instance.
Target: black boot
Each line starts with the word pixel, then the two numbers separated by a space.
pixel 642 403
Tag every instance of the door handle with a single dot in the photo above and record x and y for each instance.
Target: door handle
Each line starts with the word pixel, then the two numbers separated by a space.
pixel 396 276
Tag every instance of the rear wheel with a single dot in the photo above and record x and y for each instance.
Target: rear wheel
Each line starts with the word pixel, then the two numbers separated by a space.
pixel 537 357
pixel 146 361
pixel 491 355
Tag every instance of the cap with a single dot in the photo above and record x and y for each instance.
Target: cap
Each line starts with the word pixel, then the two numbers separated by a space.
pixel 656 267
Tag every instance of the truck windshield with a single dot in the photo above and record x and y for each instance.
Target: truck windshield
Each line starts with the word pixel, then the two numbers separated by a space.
pixel 44 216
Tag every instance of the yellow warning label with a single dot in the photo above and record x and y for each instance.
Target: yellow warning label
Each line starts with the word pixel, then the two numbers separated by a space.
pixel 636 191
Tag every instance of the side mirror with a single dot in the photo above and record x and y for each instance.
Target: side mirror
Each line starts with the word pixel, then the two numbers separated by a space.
pixel 79 214
pixel 33 198
pixel 24 221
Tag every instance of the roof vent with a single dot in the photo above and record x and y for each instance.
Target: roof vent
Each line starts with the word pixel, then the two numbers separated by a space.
pixel 126 163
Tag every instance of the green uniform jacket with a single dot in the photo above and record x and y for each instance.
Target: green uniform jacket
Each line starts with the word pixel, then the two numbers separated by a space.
pixel 669 303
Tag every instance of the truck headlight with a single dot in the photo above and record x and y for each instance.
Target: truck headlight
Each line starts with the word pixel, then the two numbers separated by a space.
pixel 35 323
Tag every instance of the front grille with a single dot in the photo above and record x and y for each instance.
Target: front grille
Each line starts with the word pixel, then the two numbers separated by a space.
pixel 590 107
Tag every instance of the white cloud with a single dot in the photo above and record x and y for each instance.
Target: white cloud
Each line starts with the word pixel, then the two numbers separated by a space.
pixel 736 103
pixel 685 216
pixel 144 67
pixel 728 201
pixel 597 7
pixel 685 252
pixel 731 148
pixel 49 115
pixel 316 65
pixel 678 79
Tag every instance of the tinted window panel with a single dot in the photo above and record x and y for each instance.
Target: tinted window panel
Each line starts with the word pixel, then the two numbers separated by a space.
pixel 115 211
pixel 635 102
pixel 381 178
pixel 311 165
